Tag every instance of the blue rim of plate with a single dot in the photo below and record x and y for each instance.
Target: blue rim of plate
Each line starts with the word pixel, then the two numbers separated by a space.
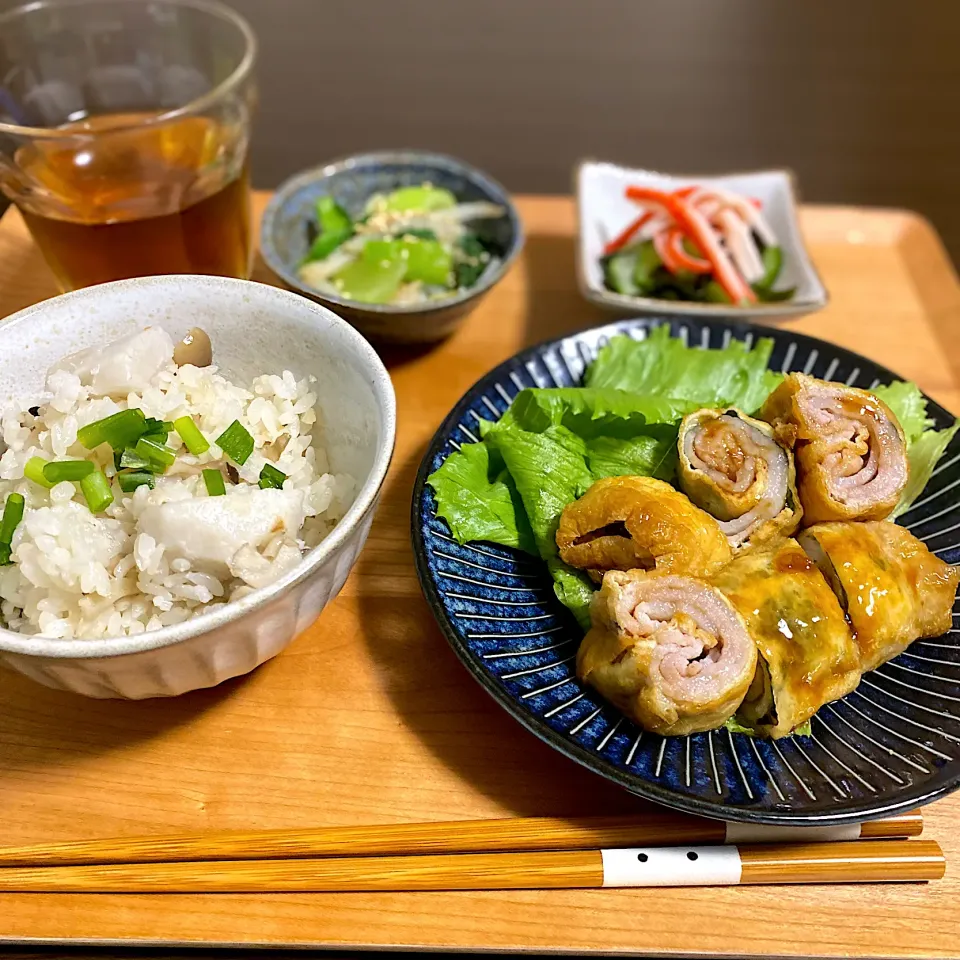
pixel 891 745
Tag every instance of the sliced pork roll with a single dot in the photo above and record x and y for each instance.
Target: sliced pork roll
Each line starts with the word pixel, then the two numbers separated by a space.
pixel 733 467
pixel 670 651
pixel 628 523
pixel 850 450
pixel 892 588
pixel 808 656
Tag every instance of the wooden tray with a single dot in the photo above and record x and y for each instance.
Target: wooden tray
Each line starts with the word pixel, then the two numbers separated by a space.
pixel 369 717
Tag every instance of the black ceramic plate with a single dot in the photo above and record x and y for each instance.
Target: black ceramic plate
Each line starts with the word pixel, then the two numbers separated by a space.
pixel 891 745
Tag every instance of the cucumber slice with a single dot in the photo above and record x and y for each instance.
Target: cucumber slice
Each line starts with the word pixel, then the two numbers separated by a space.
pixel 714 293
pixel 772 259
pixel 776 296
pixel 619 270
pixel 647 264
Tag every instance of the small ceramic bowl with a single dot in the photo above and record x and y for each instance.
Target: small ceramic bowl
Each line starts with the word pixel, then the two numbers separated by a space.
pixel 603 211
pixel 255 329
pixel 284 238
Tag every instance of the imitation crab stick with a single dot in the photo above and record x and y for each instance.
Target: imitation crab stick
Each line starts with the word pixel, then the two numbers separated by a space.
pixel 693 223
pixel 683 257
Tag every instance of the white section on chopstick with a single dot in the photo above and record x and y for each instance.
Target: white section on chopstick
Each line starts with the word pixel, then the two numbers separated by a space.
pixel 671 867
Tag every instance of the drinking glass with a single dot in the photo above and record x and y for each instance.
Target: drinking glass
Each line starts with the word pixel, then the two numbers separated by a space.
pixel 124 127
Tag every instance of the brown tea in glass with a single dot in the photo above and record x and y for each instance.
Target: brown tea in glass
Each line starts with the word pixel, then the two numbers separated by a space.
pixel 159 185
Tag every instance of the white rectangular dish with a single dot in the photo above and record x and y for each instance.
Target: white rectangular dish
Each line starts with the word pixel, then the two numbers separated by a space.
pixel 603 211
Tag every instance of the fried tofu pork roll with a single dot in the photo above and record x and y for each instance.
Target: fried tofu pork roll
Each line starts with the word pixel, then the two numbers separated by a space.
pixel 850 451
pixel 808 656
pixel 629 523
pixel 733 467
pixel 670 651
pixel 891 587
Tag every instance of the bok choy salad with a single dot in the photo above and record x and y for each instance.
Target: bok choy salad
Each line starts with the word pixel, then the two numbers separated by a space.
pixel 409 247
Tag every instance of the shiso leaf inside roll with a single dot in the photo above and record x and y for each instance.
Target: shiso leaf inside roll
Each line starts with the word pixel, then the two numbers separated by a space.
pixel 733 467
pixel 670 651
pixel 850 451
pixel 808 656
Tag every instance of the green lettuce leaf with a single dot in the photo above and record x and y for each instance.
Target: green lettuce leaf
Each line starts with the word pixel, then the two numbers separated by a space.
pixel 908 405
pixel 573 589
pixel 556 466
pixel 651 454
pixel 925 446
pixel 923 454
pixel 546 451
pixel 479 500
pixel 592 412
pixel 549 469
pixel 664 366
pixel 736 726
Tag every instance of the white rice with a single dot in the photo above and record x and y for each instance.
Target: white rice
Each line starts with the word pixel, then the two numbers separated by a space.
pixel 141 565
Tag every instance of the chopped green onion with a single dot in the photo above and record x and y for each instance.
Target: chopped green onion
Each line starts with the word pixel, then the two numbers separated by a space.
pixel 59 470
pixel 270 476
pixel 6 552
pixel 33 470
pixel 96 490
pixel 214 482
pixel 155 452
pixel 236 442
pixel 131 479
pixel 191 436
pixel 12 515
pixel 120 430
pixel 157 428
pixel 131 460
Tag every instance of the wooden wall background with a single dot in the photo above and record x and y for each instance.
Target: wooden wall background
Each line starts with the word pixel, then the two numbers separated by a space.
pixel 860 97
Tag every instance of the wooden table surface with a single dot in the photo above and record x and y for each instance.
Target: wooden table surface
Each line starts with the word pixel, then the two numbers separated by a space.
pixel 368 717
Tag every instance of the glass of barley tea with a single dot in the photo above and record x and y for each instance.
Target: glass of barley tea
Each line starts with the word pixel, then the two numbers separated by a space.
pixel 124 127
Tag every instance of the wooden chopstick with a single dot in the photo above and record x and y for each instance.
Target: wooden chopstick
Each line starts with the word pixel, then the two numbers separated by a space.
pixel 876 861
pixel 655 828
